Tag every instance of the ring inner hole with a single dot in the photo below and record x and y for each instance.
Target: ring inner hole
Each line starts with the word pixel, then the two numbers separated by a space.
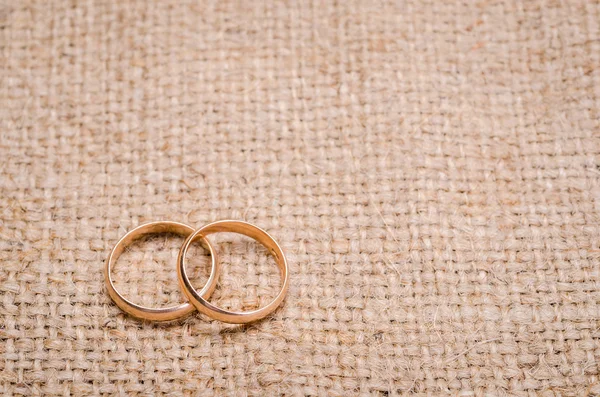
pixel 146 273
pixel 250 277
pixel 198 262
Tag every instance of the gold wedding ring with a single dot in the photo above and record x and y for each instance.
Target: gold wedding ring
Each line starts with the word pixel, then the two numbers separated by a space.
pixel 149 313
pixel 197 299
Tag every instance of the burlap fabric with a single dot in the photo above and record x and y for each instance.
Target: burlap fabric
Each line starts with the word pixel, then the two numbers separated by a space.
pixel 431 168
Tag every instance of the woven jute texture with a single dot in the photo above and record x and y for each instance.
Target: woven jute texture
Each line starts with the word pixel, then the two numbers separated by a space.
pixel 430 168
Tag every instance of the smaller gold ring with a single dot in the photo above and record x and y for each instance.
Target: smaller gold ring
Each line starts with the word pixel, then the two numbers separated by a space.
pixel 150 313
pixel 208 308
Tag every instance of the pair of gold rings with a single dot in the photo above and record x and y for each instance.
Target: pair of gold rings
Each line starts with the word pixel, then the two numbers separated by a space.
pixel 198 299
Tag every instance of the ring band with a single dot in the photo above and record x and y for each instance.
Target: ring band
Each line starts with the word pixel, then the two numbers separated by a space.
pixel 149 313
pixel 197 299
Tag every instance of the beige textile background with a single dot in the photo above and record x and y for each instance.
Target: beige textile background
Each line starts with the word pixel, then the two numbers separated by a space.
pixel 431 169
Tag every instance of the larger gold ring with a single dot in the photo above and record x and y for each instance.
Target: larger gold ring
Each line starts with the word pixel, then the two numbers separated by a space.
pixel 150 313
pixel 208 308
